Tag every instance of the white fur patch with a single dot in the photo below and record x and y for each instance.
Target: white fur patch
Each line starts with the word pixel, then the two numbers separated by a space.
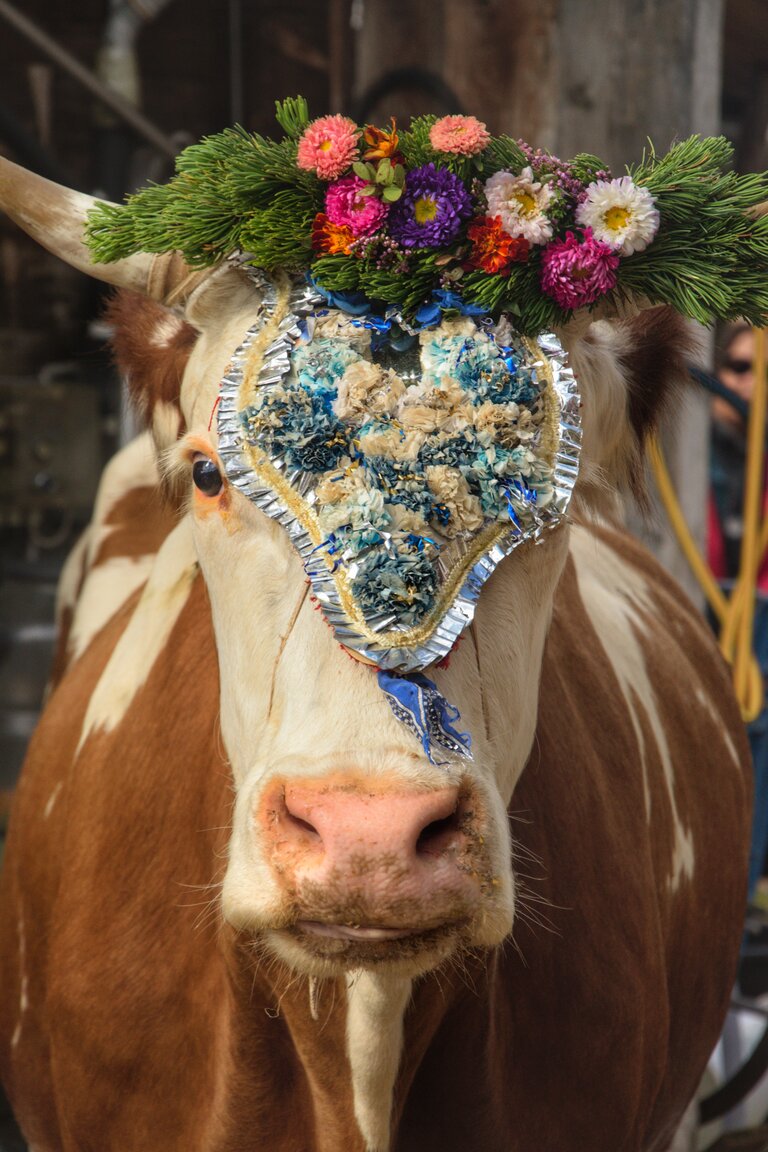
pixel 51 802
pixel 166 423
pixel 24 979
pixel 376 1004
pixel 709 707
pixel 136 651
pixel 612 591
pixel 132 467
pixel 165 330
pixel 105 590
pixel 72 575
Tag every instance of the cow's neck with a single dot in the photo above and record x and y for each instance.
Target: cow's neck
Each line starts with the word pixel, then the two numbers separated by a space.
pixel 338 1056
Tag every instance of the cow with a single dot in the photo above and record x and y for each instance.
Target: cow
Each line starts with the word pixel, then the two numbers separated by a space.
pixel 241 909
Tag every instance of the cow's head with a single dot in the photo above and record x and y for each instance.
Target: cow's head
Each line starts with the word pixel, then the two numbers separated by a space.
pixel 349 848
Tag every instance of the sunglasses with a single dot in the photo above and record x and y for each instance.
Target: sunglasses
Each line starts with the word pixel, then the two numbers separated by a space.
pixel 738 367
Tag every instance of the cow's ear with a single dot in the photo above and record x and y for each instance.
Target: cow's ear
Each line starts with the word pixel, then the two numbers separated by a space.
pixel 628 371
pixel 151 346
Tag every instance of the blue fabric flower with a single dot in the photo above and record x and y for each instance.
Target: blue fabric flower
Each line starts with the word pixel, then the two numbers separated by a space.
pixel 301 427
pixel 400 582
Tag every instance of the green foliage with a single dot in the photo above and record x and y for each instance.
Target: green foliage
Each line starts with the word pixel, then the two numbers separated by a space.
pixel 502 154
pixel 710 257
pixel 415 146
pixel 239 191
pixel 585 167
pixel 292 114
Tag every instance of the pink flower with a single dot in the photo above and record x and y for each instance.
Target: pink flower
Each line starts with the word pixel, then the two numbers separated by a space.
pixel 346 207
pixel 577 272
pixel 328 146
pixel 465 135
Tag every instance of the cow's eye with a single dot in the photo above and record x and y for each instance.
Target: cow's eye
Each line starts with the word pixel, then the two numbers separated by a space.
pixel 206 476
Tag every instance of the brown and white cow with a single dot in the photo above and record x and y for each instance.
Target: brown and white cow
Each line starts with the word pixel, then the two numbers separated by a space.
pixel 241 912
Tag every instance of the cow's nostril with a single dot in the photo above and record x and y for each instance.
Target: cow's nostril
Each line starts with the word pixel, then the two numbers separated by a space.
pixel 303 825
pixel 438 834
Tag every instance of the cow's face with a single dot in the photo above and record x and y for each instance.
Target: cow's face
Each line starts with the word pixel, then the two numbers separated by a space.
pixel 349 848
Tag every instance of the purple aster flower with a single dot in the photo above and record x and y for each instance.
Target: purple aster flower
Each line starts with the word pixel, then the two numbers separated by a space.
pixel 431 210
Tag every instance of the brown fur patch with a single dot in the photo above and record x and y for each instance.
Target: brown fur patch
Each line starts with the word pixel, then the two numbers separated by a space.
pixel 659 341
pixel 140 520
pixel 151 346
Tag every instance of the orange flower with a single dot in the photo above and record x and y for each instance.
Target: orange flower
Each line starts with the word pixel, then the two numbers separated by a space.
pixel 331 238
pixel 493 249
pixel 380 142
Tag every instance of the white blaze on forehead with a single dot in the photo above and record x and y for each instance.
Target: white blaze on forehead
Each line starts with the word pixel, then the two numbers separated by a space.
pixel 615 595
pixel 376 1004
pixel 147 633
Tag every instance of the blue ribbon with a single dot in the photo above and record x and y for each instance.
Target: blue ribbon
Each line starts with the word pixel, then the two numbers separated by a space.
pixel 452 300
pixel 417 703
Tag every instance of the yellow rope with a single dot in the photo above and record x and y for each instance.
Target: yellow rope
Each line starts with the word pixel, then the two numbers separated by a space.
pixel 735 614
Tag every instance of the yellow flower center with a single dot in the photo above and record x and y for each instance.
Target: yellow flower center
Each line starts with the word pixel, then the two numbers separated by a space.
pixel 527 203
pixel 326 145
pixel 425 209
pixel 616 218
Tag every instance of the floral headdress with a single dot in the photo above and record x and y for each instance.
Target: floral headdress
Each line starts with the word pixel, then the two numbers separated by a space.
pixel 399 404
pixel 445 216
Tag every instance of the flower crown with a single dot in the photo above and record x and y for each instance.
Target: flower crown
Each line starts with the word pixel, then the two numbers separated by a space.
pixel 444 217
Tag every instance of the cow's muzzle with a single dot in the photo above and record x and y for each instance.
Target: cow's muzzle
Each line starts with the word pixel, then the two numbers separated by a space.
pixel 373 871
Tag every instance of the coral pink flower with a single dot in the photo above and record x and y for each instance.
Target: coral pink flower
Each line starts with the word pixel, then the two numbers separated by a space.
pixel 465 135
pixel 577 272
pixel 346 207
pixel 328 146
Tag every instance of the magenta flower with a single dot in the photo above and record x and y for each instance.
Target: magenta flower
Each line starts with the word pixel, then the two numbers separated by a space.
pixel 577 272
pixel 346 207
pixel 328 146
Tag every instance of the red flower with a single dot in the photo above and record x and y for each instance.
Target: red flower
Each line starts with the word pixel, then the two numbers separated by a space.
pixel 329 237
pixel 493 249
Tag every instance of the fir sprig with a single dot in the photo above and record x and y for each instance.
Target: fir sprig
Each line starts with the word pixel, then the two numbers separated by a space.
pixel 237 191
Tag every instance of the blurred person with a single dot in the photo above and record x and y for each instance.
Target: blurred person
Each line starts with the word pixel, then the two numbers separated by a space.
pixel 728 449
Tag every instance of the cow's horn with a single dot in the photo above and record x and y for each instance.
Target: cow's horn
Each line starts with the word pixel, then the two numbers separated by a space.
pixel 55 217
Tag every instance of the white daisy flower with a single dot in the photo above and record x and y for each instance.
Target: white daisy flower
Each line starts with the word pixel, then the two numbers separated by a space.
pixel 521 202
pixel 620 214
